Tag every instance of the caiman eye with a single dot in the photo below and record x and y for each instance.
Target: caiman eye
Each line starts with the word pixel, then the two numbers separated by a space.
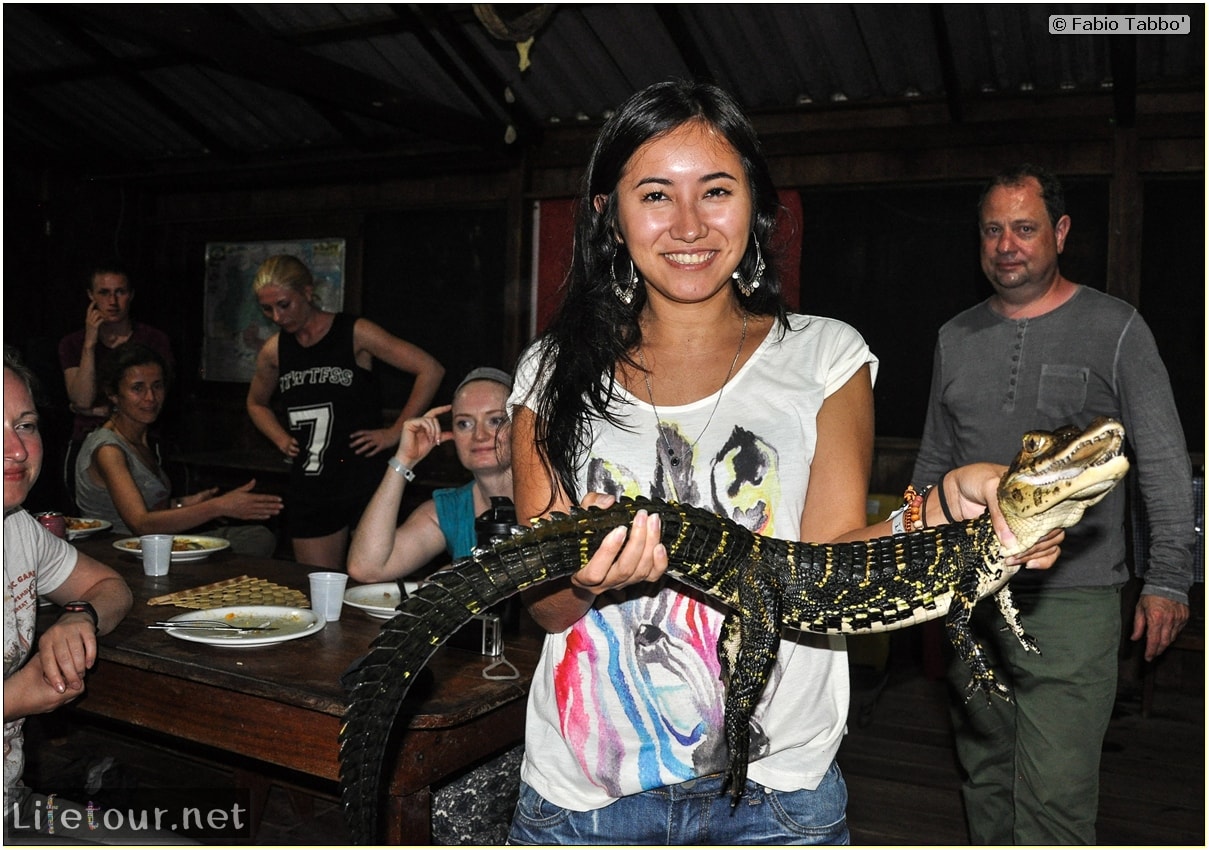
pixel 1034 442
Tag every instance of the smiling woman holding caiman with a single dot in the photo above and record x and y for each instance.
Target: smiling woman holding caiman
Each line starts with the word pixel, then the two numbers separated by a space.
pixel 674 371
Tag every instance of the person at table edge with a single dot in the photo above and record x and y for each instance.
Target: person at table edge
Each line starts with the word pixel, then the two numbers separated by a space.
pixel 36 563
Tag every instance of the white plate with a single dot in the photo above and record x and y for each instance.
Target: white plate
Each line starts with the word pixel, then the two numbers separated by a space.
pixel 209 545
pixel 81 533
pixel 378 600
pixel 290 623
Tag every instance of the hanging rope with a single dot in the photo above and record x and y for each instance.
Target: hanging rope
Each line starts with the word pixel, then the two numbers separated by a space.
pixel 519 30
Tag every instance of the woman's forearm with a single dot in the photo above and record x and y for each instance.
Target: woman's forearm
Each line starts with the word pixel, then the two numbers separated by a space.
pixel 373 541
pixel 559 605
pixel 266 423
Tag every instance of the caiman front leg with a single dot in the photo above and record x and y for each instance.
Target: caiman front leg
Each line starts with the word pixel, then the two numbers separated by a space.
pixel 759 635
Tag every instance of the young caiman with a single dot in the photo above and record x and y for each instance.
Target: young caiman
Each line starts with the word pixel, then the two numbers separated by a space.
pixel 847 588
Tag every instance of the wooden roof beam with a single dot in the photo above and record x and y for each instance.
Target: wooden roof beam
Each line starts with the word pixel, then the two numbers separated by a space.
pixel 63 22
pixel 462 62
pixel 948 66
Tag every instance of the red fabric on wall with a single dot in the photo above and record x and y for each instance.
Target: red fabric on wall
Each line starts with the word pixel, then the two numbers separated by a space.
pixel 555 226
pixel 787 243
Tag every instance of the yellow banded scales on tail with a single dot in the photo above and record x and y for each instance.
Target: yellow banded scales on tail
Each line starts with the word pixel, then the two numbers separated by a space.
pixel 769 584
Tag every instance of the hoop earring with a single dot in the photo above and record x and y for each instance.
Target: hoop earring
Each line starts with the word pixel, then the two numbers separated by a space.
pixel 746 288
pixel 625 294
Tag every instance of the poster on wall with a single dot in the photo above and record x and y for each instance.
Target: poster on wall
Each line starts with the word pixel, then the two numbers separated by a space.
pixel 235 329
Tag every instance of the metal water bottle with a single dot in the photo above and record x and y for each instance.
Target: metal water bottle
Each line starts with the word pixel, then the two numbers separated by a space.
pixel 491 527
pixel 496 523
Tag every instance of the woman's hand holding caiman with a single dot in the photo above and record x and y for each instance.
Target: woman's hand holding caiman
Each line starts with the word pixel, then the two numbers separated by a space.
pixel 622 559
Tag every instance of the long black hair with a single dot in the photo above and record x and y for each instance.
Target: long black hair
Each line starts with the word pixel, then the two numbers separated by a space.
pixel 593 331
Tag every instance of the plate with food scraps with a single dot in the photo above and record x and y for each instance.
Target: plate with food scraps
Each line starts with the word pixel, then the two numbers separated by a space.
pixel 378 600
pixel 267 624
pixel 185 548
pixel 79 527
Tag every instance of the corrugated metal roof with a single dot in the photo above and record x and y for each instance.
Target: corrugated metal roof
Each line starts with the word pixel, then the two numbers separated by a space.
pixel 117 86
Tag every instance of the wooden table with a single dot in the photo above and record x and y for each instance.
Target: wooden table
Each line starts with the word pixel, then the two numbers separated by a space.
pixel 282 704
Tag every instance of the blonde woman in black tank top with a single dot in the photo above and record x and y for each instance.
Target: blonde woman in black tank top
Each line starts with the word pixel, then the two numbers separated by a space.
pixel 321 363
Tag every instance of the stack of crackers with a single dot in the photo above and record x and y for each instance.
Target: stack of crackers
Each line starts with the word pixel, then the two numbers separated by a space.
pixel 234 591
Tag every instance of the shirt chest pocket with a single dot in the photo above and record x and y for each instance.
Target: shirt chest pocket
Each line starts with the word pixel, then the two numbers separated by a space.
pixel 1063 389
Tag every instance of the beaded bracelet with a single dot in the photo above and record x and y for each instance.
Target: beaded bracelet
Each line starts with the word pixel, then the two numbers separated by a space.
pixel 914 502
pixel 911 516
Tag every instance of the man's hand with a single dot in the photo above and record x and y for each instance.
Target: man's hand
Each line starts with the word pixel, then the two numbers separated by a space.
pixel 1160 620
pixel 93 320
pixel 27 692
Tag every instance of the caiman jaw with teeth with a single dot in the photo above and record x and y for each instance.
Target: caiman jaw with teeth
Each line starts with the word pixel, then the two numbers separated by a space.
pixel 1060 475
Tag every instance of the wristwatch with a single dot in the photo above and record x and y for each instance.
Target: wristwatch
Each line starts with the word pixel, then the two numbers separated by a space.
pixel 397 465
pixel 82 607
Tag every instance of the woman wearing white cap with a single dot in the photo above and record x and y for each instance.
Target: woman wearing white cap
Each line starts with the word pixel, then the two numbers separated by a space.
pixel 444 523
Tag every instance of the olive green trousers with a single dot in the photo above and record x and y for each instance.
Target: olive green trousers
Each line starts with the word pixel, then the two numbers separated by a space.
pixel 1032 767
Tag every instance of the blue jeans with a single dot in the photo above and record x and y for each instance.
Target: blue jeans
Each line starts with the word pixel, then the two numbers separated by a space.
pixel 693 812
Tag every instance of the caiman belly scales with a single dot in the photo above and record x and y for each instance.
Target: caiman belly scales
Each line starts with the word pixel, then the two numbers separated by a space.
pixel 849 588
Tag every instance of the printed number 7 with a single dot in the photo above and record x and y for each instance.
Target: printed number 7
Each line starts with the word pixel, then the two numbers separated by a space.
pixel 317 421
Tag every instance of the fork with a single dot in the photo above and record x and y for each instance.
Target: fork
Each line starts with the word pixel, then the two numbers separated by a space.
pixel 211 625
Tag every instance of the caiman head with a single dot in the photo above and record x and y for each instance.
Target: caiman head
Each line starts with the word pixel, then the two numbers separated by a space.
pixel 1058 475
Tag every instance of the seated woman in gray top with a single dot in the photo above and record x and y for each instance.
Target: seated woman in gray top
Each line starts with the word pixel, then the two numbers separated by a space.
pixel 119 477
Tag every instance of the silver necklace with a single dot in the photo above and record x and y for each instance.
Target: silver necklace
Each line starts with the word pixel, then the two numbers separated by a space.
pixel 646 378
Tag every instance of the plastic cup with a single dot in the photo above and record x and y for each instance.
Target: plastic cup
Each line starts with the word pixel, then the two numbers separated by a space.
pixel 327 594
pixel 157 553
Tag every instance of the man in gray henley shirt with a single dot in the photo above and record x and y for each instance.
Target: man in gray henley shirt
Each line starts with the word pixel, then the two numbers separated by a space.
pixel 1040 353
